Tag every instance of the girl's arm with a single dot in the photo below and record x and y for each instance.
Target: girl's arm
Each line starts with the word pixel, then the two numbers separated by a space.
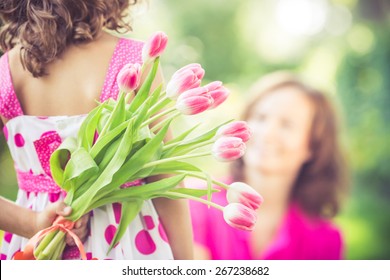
pixel 175 218
pixel 25 222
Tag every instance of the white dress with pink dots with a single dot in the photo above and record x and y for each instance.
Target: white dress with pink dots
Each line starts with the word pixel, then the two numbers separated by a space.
pixel 32 139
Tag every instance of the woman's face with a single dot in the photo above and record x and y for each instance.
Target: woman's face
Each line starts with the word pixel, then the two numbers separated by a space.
pixel 281 124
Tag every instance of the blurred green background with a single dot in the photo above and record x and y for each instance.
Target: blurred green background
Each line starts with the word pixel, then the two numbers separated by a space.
pixel 339 46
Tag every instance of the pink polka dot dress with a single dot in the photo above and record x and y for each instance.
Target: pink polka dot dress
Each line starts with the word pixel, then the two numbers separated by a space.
pixel 32 139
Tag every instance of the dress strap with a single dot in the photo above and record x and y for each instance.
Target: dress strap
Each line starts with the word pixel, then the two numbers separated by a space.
pixel 126 51
pixel 9 103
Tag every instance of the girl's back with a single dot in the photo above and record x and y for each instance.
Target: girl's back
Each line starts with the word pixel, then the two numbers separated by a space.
pixel 74 81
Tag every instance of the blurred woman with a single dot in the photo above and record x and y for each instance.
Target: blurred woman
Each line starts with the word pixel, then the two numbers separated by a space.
pixel 295 162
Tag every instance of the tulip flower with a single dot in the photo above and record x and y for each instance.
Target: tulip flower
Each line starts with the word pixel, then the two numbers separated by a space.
pixel 238 129
pixel 239 216
pixel 218 92
pixel 194 101
pixel 186 78
pixel 154 47
pixel 228 148
pixel 129 77
pixel 244 194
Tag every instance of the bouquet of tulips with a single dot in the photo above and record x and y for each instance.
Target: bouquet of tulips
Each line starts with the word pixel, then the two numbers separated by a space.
pixel 121 141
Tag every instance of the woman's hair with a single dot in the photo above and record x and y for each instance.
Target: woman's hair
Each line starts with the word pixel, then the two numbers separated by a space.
pixel 44 28
pixel 322 181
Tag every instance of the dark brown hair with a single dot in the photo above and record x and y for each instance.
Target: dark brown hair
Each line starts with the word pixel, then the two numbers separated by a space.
pixel 44 28
pixel 322 182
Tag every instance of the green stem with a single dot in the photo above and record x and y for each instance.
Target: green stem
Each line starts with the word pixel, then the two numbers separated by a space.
pixel 144 65
pixel 44 243
pixel 58 251
pixel 162 123
pixel 198 199
pixel 195 175
pixel 48 251
pixel 109 121
pixel 63 245
pixel 162 100
pixel 158 116
pixel 128 95
pixel 154 163
pixel 201 144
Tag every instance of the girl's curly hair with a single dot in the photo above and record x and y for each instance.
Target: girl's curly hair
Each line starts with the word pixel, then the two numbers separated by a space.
pixel 44 28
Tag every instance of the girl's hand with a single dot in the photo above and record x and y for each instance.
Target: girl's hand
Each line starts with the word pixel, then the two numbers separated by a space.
pixel 46 218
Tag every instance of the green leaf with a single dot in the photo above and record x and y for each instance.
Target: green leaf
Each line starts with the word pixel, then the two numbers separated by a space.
pixel 155 97
pixel 141 157
pixel 142 113
pixel 104 140
pixel 79 169
pixel 119 113
pixel 144 192
pixel 130 209
pixel 143 134
pixel 187 147
pixel 104 116
pixel 106 177
pixel 88 128
pixel 171 167
pixel 143 92
pixel 117 116
pixel 109 151
pixel 137 161
pixel 187 191
pixel 182 136
pixel 60 157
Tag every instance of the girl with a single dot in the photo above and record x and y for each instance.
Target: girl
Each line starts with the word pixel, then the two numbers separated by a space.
pixel 59 59
pixel 294 161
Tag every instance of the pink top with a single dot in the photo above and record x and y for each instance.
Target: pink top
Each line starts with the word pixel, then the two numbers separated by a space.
pixel 299 238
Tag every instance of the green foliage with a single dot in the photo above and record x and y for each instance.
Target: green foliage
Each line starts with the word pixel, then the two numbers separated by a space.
pixel 364 90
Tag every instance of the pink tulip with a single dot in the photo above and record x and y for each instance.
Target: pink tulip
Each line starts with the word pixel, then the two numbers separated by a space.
pixel 218 92
pixel 239 216
pixel 129 77
pixel 194 101
pixel 154 47
pixel 244 194
pixel 186 78
pixel 238 129
pixel 228 148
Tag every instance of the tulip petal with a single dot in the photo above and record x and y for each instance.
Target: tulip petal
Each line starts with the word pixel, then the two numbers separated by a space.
pixel 239 216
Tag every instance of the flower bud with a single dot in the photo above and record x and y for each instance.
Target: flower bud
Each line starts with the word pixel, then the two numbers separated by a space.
pixel 239 216
pixel 154 47
pixel 186 78
pixel 218 92
pixel 129 77
pixel 244 194
pixel 228 148
pixel 238 129
pixel 194 101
